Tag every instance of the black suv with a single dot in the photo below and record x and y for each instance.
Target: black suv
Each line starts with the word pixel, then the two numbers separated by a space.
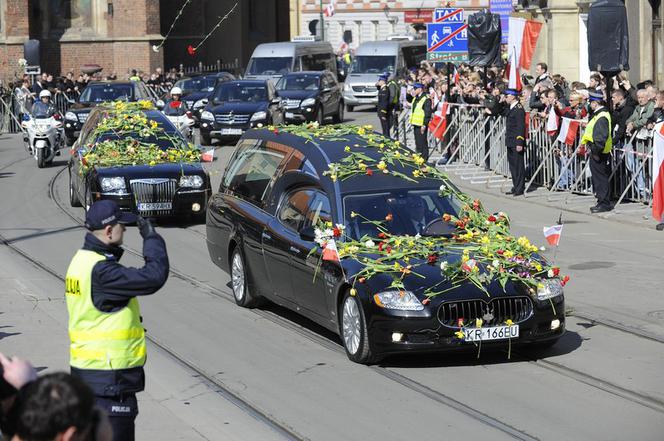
pixel 197 89
pixel 98 92
pixel 237 106
pixel 311 96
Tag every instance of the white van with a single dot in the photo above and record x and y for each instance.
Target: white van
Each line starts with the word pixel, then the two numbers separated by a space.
pixel 272 60
pixel 374 58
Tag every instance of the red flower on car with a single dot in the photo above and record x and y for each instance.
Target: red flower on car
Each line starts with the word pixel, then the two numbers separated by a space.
pixel 191 50
pixel 556 271
pixel 369 172
pixel 491 218
pixel 564 281
pixel 433 258
pixel 336 232
pixel 389 217
pixel 382 235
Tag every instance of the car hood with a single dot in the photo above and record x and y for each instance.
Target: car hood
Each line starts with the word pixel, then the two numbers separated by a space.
pixel 166 170
pixel 235 107
pixel 297 94
pixel 82 107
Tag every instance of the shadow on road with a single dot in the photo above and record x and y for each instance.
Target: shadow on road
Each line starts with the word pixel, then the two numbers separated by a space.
pixel 6 174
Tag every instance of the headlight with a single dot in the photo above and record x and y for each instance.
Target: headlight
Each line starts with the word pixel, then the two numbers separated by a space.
pixel 309 102
pixel 200 103
pixel 550 288
pixel 402 300
pixel 207 115
pixel 71 116
pixel 258 116
pixel 116 183
pixel 347 87
pixel 191 181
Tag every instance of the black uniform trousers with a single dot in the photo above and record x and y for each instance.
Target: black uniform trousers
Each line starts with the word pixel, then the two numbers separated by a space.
pixel 600 169
pixel 517 170
pixel 385 122
pixel 121 413
pixel 421 141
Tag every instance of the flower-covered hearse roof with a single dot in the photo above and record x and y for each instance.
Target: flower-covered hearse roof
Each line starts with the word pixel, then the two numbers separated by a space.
pixel 480 249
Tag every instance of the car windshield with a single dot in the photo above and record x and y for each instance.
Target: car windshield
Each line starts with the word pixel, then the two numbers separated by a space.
pixel 369 64
pixel 410 212
pixel 97 93
pixel 235 92
pixel 204 84
pixel 269 66
pixel 298 82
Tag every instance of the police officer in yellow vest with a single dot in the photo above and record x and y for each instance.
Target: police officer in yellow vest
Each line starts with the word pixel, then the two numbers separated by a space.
pixel 107 348
pixel 419 118
pixel 597 137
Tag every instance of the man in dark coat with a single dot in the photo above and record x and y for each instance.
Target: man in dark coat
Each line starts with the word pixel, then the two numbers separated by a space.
pixel 384 107
pixel 515 141
pixel 622 110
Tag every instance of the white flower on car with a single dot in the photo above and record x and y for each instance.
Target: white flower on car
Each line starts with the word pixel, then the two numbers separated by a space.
pixel 550 273
pixel 495 263
pixel 443 265
pixel 369 243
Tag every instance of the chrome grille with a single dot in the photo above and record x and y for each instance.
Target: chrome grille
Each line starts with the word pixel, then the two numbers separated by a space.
pixel 231 118
pixel 291 104
pixel 494 312
pixel 151 191
pixel 364 89
pixel 82 117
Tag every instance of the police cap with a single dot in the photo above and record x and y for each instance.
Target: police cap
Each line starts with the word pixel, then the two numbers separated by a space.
pixel 106 212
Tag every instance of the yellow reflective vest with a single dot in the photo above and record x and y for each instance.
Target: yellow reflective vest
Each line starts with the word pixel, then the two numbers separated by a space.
pixel 100 340
pixel 588 134
pixel 417 114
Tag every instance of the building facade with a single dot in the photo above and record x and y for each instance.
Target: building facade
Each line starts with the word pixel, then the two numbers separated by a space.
pixel 562 43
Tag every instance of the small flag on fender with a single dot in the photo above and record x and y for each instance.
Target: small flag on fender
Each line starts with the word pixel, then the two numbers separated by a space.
pixel 330 251
pixel 208 156
pixel 552 234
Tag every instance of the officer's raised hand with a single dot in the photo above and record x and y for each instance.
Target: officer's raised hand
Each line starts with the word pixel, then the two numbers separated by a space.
pixel 145 227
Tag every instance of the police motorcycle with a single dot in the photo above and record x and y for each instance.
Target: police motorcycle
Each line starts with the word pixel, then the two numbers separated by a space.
pixel 177 112
pixel 43 130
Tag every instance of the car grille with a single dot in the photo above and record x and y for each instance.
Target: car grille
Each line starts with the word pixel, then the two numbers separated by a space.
pixel 364 89
pixel 82 117
pixel 153 191
pixel 494 312
pixel 231 118
pixel 291 104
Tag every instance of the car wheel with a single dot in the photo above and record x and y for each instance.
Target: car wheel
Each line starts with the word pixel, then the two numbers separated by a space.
pixel 88 199
pixel 320 116
pixel 243 297
pixel 354 333
pixel 206 139
pixel 349 108
pixel 73 197
pixel 339 116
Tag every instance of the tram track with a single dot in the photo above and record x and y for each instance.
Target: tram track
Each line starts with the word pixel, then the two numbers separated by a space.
pixel 437 396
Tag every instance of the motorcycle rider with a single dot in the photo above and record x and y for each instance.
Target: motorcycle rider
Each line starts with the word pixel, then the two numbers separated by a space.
pixel 43 108
pixel 175 106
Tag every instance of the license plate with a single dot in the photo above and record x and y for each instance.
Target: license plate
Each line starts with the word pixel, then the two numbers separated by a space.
pixel 366 101
pixel 290 115
pixel 150 206
pixel 230 131
pixel 492 333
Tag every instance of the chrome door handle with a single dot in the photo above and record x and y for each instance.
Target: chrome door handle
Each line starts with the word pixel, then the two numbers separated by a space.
pixel 294 249
pixel 266 236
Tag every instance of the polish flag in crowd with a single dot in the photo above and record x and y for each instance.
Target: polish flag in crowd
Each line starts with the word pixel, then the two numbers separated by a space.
pixel 438 122
pixel 552 122
pixel 330 251
pixel 456 76
pixel 512 71
pixel 552 234
pixel 568 130
pixel 208 156
pixel 329 9
pixel 522 38
pixel 658 173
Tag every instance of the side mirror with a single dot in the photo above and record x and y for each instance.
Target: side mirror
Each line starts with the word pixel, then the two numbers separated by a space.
pixel 326 90
pixel 276 100
pixel 308 233
pixel 160 104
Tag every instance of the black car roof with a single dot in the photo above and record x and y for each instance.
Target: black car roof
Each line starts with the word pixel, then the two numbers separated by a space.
pixel 323 152
pixel 247 82
pixel 107 82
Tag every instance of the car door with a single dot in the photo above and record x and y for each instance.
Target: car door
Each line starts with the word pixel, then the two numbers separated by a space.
pixel 308 271
pixel 81 148
pixel 335 94
pixel 325 95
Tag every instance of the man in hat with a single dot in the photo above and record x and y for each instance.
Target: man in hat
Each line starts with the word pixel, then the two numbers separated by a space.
pixel 107 349
pixel 515 141
pixel 419 118
pixel 384 108
pixel 597 137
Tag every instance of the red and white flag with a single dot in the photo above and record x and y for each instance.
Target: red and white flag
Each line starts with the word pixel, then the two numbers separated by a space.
pixel 552 234
pixel 568 130
pixel 329 9
pixel 658 173
pixel 208 156
pixel 438 122
pixel 513 75
pixel 456 76
pixel 552 122
pixel 330 251
pixel 522 35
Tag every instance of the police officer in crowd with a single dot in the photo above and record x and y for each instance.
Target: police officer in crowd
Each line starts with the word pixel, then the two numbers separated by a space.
pixel 383 107
pixel 395 92
pixel 175 106
pixel 44 108
pixel 107 337
pixel 420 116
pixel 515 141
pixel 597 137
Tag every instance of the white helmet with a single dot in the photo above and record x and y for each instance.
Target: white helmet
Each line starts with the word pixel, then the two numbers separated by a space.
pixel 44 94
pixel 176 91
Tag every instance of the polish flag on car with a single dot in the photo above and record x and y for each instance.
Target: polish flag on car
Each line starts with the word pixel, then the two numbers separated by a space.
pixel 330 251
pixel 658 173
pixel 329 9
pixel 568 130
pixel 208 156
pixel 552 234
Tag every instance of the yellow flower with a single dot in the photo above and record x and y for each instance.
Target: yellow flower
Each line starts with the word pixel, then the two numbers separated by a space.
pixel 334 178
pixel 329 224
pixel 479 322
pixel 416 173
pixel 353 214
pixel 484 239
pixel 347 149
pixel 464 258
pixel 152 163
pixel 397 154
pixel 509 322
pixel 353 292
pixel 381 165
pixel 508 254
pixel 362 165
pixel 538 267
pixel 459 334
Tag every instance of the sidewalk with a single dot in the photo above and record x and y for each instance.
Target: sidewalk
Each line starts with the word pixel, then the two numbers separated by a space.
pixel 176 405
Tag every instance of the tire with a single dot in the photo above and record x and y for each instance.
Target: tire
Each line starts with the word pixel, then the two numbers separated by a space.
pixel 349 108
pixel 41 160
pixel 206 139
pixel 243 297
pixel 320 116
pixel 339 116
pixel 353 330
pixel 88 200
pixel 73 197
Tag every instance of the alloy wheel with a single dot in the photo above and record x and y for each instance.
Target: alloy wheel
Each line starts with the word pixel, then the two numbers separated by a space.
pixel 351 325
pixel 237 276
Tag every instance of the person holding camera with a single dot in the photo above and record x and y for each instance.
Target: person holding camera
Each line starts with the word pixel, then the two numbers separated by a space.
pixel 107 349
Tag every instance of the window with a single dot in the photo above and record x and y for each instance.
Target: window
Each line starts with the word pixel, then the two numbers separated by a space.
pixel 252 169
pixel 318 62
pixel 238 92
pixel 97 93
pixel 304 208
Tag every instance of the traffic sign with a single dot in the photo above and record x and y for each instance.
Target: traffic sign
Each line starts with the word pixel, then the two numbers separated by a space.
pixel 447 37
pixel 451 15
pixel 447 57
